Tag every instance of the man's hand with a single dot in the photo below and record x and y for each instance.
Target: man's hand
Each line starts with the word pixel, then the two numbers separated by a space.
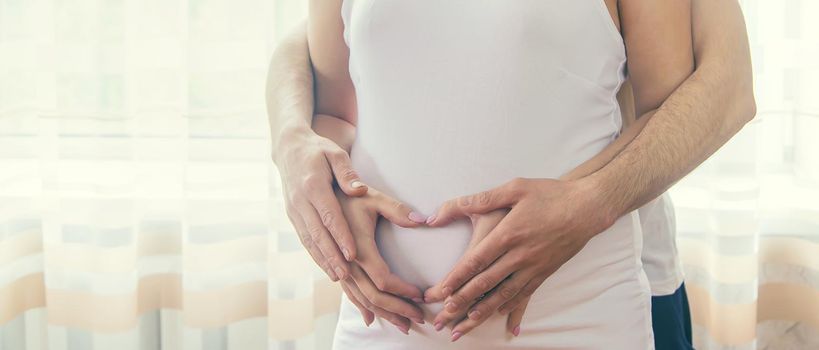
pixel 372 287
pixel 549 222
pixel 482 224
pixel 309 164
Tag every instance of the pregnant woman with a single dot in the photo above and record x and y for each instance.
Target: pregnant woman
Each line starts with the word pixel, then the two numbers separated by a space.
pixel 455 97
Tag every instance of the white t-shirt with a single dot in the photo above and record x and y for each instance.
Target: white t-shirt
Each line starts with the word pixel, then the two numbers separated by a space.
pixel 660 259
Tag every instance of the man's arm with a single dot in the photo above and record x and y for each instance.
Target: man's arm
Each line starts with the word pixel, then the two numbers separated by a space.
pixel 308 163
pixel 698 118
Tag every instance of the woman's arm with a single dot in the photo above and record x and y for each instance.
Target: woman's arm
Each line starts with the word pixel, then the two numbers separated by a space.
pixel 334 91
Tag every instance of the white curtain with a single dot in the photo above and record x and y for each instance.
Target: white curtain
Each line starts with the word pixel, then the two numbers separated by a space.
pixel 139 208
pixel 748 218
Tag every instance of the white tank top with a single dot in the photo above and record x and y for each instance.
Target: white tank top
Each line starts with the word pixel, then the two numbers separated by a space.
pixel 459 96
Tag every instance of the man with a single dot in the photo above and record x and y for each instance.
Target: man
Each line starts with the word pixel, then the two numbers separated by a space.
pixel 692 123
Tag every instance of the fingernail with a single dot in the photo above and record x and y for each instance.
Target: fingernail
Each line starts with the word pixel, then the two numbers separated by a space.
pixel 346 253
pixel 356 184
pixel 439 326
pixel 431 219
pixel 456 336
pixel 474 314
pixel 516 331
pixel 404 330
pixel 417 217
pixel 418 320
pixel 450 306
pixel 339 272
pixel 418 300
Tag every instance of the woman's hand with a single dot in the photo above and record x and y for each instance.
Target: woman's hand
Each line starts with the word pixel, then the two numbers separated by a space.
pixel 549 222
pixel 482 224
pixel 371 286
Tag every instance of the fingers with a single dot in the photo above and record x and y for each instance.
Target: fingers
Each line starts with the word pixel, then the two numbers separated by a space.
pixel 475 261
pixel 386 301
pixel 481 284
pixel 309 244
pixel 523 296
pixel 481 226
pixel 319 236
pixel 515 318
pixel 368 315
pixel 370 260
pixel 504 196
pixel 400 322
pixel 489 304
pixel 323 199
pixel 396 212
pixel 346 177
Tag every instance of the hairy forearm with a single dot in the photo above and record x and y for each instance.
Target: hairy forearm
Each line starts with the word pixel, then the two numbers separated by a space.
pixel 692 124
pixel 712 105
pixel 607 154
pixel 289 92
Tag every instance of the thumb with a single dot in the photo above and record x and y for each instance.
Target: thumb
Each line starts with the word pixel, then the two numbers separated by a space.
pixel 397 212
pixel 515 318
pixel 345 176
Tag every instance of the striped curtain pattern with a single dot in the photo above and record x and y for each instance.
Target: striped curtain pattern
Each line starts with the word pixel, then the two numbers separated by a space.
pixel 139 208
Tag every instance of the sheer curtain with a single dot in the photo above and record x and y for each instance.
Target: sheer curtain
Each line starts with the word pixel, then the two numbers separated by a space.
pixel 139 208
pixel 748 218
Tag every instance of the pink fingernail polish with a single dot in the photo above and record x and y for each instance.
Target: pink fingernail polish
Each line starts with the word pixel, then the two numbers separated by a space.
pixel 439 326
pixel 417 217
pixel 431 219
pixel 456 336
pixel 516 331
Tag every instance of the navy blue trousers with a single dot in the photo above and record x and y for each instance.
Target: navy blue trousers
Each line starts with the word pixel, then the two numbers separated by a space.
pixel 671 321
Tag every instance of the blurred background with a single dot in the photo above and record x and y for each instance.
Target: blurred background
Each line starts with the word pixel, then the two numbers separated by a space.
pixel 139 208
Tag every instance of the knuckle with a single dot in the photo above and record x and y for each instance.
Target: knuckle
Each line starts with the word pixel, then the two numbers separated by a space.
pixel 483 311
pixel 312 182
pixel 307 241
pixel 335 153
pixel 483 283
pixel 347 173
pixel 459 299
pixel 517 185
pixel 508 291
pixel 314 232
pixel 474 264
pixel 485 198
pixel 464 201
pixel 328 218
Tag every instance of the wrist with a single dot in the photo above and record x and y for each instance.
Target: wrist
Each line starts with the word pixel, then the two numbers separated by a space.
pixel 290 134
pixel 603 209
